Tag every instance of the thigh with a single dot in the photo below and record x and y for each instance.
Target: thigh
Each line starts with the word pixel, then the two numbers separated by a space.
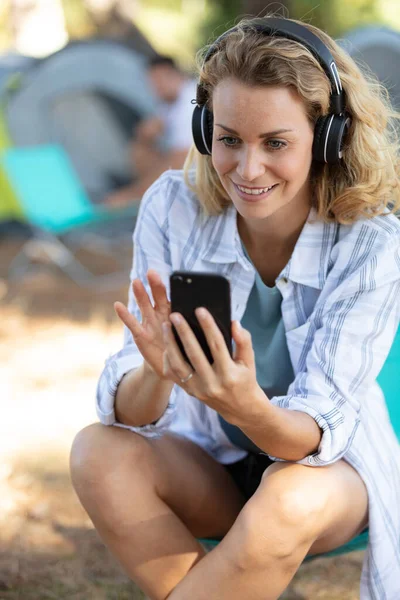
pixel 331 500
pixel 196 487
pixel 122 467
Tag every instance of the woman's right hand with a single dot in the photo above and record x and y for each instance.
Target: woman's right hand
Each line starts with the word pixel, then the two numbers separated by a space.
pixel 148 334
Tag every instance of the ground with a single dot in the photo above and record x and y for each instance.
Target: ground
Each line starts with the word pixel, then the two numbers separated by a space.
pixel 54 338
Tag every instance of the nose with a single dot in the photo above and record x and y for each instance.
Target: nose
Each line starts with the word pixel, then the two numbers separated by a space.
pixel 251 164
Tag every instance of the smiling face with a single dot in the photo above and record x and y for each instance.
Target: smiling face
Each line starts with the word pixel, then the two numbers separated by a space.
pixel 262 149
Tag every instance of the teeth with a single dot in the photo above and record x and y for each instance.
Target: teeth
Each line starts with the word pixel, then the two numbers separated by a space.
pixel 254 192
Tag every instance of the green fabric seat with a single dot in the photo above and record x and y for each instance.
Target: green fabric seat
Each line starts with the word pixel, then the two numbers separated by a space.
pixel 49 191
pixel 5 141
pixel 10 208
pixel 389 381
pixel 41 183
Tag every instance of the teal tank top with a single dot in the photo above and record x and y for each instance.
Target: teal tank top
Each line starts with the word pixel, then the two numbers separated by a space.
pixel 274 371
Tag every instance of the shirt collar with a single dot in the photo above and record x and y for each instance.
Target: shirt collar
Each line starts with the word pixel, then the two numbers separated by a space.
pixel 310 261
pixel 221 241
pixel 308 265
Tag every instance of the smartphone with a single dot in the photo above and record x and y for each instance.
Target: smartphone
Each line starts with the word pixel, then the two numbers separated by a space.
pixel 191 290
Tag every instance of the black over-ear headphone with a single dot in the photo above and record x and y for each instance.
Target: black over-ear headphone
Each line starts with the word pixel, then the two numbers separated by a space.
pixel 330 130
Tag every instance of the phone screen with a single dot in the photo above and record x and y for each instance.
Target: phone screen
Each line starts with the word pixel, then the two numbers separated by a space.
pixel 191 290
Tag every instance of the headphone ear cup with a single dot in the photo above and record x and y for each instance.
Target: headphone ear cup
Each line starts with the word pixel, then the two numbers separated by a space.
pixel 329 137
pixel 337 137
pixel 209 124
pixel 202 129
pixel 318 149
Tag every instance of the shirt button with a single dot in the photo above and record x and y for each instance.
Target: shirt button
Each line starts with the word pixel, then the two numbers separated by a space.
pixel 284 280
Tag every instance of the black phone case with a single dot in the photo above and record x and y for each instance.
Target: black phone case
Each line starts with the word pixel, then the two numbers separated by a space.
pixel 191 290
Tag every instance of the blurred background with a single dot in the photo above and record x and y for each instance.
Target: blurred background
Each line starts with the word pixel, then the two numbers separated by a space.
pixel 83 92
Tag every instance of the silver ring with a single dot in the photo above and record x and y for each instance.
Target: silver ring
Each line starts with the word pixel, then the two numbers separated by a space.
pixel 186 379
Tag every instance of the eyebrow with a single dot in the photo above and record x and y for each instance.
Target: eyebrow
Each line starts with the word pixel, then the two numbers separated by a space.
pixel 262 135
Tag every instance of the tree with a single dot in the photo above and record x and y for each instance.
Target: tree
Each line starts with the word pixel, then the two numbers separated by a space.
pixel 260 7
pixel 87 18
pixel 225 13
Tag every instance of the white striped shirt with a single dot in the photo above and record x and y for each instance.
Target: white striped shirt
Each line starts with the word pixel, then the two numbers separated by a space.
pixel 341 309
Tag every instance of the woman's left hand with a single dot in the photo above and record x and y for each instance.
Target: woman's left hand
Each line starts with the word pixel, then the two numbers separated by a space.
pixel 228 383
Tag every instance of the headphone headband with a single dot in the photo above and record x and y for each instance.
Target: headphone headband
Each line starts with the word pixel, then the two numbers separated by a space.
pixel 293 31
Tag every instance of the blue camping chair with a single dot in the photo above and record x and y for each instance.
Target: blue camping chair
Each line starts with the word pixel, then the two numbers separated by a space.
pixel 389 381
pixel 55 204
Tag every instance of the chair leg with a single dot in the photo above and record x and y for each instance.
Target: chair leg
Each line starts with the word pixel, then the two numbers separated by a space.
pixel 20 265
pixel 97 243
pixel 48 248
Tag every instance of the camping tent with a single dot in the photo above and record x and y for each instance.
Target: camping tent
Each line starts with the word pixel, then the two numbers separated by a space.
pixel 88 97
pixel 379 49
pixel 11 63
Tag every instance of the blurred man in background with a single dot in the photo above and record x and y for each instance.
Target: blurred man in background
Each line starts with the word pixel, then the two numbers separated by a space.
pixel 160 142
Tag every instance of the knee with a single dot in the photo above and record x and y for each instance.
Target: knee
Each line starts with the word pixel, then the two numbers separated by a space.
pixel 84 455
pixel 280 522
pixel 295 504
pixel 99 452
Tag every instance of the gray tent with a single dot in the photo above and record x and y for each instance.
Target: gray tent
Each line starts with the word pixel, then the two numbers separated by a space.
pixel 379 48
pixel 13 63
pixel 87 97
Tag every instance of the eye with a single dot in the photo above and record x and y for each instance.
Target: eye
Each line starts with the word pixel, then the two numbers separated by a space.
pixel 228 140
pixel 276 144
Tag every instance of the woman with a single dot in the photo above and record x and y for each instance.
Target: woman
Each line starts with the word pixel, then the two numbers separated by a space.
pixel 286 449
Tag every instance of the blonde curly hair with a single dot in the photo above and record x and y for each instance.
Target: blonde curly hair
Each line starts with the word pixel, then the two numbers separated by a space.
pixel 366 182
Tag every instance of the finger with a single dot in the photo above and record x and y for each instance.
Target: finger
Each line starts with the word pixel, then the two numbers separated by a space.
pixel 244 352
pixel 173 359
pixel 128 319
pixel 158 290
pixel 142 299
pixel 214 337
pixel 192 347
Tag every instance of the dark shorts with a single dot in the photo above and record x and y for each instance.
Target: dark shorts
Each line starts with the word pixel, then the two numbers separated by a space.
pixel 247 472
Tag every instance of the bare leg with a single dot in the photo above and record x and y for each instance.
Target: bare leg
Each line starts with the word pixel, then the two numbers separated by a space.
pixel 149 499
pixel 134 489
pixel 295 510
